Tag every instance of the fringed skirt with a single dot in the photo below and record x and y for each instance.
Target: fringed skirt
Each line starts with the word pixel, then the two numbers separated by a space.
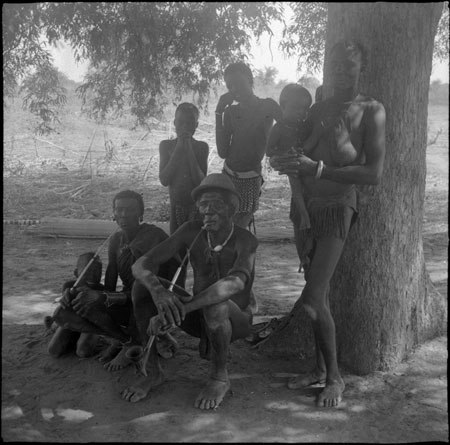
pixel 248 186
pixel 327 218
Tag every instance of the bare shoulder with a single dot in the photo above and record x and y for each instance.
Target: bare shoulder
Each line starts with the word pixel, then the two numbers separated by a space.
pixel 201 146
pixel 167 144
pixel 245 238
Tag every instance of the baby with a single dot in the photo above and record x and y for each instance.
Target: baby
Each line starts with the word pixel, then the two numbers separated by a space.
pixel 288 136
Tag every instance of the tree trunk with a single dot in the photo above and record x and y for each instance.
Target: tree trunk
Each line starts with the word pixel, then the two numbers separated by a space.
pixel 381 298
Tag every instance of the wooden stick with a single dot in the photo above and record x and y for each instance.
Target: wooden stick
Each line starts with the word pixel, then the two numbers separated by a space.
pixel 83 272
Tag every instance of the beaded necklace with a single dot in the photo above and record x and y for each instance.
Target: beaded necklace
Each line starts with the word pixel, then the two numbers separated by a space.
pixel 219 247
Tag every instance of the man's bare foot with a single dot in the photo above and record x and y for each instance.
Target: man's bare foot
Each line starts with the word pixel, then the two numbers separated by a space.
pixel 142 388
pixel 166 345
pixel 109 353
pixel 120 361
pixel 305 380
pixel 212 394
pixel 331 395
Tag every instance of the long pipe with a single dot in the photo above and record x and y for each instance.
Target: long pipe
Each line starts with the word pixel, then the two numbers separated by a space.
pixel 136 351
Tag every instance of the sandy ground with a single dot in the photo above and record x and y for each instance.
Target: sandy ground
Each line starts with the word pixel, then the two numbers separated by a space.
pixel 76 400
pixel 72 399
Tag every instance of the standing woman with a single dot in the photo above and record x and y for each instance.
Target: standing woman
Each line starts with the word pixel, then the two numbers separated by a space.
pixel 350 150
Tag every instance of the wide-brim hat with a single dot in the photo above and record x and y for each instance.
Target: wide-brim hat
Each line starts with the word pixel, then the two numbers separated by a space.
pixel 214 181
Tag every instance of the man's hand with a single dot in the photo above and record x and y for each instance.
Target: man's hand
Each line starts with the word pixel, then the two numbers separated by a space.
pixel 156 326
pixel 286 164
pixel 224 101
pixel 170 307
pixel 307 166
pixel 86 300
pixel 66 299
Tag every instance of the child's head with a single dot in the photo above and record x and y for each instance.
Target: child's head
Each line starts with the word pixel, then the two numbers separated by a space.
pixel 94 274
pixel 186 118
pixel 239 80
pixel 295 101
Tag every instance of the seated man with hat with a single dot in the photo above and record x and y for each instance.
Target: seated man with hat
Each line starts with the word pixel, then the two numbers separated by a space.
pixel 222 256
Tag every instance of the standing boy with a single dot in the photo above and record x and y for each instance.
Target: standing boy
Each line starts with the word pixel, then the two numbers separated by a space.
pixel 182 166
pixel 241 133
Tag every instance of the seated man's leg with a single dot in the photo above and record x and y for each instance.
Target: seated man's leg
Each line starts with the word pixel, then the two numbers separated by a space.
pixel 62 341
pixel 144 309
pixel 86 345
pixel 225 323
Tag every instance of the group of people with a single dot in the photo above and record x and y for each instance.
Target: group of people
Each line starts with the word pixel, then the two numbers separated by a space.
pixel 325 149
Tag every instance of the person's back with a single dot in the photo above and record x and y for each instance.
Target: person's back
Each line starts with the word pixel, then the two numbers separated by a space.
pixel 249 124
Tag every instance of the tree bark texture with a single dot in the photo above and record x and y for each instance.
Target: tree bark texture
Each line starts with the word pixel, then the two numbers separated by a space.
pixel 381 298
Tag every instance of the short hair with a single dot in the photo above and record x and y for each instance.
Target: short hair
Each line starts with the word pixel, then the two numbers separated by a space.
pixel 354 47
pixel 239 67
pixel 95 269
pixel 187 107
pixel 130 194
pixel 294 89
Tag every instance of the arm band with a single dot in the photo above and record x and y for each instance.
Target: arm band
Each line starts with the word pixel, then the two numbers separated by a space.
pixel 115 298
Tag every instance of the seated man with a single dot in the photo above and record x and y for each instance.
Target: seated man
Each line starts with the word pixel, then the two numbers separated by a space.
pixel 223 260
pixel 110 313
pixel 64 340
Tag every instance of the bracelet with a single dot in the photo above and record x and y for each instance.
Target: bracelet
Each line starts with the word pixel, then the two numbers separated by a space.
pixel 319 170
pixel 113 298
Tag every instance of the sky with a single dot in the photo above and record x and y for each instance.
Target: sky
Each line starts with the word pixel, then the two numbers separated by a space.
pixel 262 57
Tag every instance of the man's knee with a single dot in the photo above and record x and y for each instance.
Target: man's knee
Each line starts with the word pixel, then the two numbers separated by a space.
pixel 216 315
pixel 86 345
pixel 139 294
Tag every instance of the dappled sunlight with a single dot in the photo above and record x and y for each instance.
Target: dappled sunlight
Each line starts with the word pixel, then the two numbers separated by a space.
pixel 47 414
pixel 26 433
pixel 73 415
pixel 284 405
pixel 155 417
pixel 205 420
pixel 11 412
pixel 28 308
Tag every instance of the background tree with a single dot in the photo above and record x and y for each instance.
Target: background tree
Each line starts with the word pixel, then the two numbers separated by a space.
pixel 141 53
pixel 381 297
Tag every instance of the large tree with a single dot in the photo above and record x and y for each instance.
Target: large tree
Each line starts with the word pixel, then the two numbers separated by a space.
pixel 381 297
